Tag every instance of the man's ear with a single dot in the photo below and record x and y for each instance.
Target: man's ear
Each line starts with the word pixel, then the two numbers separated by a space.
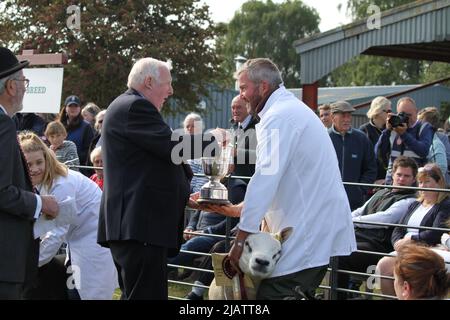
pixel 148 82
pixel 10 87
pixel 265 88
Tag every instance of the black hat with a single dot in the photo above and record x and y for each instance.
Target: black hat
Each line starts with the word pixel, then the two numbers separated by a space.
pixel 9 63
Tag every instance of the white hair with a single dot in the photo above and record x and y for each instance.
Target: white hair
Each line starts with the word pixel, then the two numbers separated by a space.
pixel 145 67
pixel 4 80
pixel 97 151
pixel 377 106
pixel 198 121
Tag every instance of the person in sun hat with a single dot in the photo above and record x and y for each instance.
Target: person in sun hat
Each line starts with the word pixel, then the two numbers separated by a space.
pixel 19 206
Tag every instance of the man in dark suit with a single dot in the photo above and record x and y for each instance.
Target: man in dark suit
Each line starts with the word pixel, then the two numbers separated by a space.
pixel 243 124
pixel 19 206
pixel 146 186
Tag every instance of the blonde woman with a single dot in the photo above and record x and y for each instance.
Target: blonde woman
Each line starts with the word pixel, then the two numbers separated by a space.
pixel 96 271
pixel 432 209
pixel 377 114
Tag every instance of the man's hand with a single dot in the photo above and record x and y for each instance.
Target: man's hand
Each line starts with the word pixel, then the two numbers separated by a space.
pixel 187 236
pixel 401 129
pixel 236 250
pixel 226 210
pixel 50 207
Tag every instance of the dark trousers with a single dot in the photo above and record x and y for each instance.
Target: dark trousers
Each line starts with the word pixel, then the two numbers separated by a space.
pixel 358 262
pixel 11 290
pixel 205 277
pixel 142 270
pixel 51 281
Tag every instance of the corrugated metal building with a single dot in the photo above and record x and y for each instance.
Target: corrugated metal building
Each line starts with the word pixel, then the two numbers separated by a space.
pixel 419 30
pixel 217 112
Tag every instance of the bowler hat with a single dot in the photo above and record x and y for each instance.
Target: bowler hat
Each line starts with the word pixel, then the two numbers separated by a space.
pixel 341 106
pixel 72 100
pixel 9 63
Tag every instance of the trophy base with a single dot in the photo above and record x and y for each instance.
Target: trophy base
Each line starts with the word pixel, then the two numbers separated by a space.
pixel 214 201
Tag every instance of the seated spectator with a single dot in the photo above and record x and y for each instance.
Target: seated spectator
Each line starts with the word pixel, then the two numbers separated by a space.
pixel 97 274
pixel 208 223
pixel 354 152
pixel 385 206
pixel 30 122
pixel 440 147
pixel 78 130
pixel 97 161
pixel 325 115
pixel 193 124
pixel 89 112
pixel 420 273
pixel 377 114
pixel 97 140
pixel 65 150
pixel 432 209
pixel 412 139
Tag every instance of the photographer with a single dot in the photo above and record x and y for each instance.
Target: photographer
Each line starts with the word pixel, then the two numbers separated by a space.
pixel 404 135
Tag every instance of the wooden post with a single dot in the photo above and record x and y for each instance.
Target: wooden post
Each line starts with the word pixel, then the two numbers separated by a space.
pixel 43 59
pixel 310 93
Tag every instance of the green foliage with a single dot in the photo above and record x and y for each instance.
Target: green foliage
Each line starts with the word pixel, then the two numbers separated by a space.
pixel 358 8
pixel 267 29
pixel 373 70
pixel 114 33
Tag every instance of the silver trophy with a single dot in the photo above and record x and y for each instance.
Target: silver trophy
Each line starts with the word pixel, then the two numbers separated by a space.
pixel 216 168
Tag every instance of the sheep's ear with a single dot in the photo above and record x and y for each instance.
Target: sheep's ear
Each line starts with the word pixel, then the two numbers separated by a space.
pixel 284 234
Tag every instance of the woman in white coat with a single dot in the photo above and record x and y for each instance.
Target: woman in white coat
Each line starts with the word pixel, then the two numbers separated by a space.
pixel 94 274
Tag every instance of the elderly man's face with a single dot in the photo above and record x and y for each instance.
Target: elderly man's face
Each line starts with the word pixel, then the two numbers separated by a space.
pixel 162 89
pixel 325 117
pixel 239 110
pixel 342 121
pixel 249 91
pixel 20 92
pixel 410 110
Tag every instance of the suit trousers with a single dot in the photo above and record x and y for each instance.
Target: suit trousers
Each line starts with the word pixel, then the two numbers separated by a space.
pixel 11 290
pixel 142 270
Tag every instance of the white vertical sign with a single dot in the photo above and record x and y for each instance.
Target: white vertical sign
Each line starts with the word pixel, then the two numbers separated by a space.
pixel 44 92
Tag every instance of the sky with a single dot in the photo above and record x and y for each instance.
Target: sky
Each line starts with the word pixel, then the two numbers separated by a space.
pixel 223 11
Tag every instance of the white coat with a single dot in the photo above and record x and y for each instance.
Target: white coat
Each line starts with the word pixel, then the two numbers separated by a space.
pixel 97 276
pixel 297 184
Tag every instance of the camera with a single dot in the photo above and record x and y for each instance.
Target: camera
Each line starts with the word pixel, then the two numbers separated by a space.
pixel 398 119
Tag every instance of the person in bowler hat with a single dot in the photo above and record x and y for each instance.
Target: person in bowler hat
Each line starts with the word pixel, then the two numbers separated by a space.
pixel 19 205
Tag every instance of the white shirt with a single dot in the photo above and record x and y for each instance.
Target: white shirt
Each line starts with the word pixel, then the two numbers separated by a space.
pixel 297 184
pixel 393 214
pixel 97 273
pixel 416 218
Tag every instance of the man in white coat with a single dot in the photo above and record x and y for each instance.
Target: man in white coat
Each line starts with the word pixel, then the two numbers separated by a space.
pixel 296 184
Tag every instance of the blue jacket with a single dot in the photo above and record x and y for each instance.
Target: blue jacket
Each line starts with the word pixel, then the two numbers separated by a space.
pixel 356 162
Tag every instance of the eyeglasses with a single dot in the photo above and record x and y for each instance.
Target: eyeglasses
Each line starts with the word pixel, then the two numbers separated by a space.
pixel 26 82
pixel 387 111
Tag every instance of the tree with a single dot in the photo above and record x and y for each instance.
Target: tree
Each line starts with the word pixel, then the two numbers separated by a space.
pixel 358 8
pixel 112 35
pixel 266 29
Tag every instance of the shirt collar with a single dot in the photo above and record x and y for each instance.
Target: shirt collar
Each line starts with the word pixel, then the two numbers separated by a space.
pixel 337 132
pixel 272 98
pixel 4 110
pixel 246 121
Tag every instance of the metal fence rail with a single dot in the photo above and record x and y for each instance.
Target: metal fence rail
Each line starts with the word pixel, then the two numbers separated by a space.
pixel 333 270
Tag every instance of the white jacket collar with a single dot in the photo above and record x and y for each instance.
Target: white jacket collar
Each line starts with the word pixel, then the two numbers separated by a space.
pixel 272 99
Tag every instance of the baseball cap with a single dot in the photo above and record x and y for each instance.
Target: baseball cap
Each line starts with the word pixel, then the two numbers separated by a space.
pixel 72 100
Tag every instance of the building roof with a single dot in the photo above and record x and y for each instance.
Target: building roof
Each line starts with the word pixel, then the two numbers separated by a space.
pixel 419 30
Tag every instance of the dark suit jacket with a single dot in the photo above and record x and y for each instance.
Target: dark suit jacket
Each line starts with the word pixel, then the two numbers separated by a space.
pixel 145 192
pixel 437 217
pixel 18 250
pixel 246 150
